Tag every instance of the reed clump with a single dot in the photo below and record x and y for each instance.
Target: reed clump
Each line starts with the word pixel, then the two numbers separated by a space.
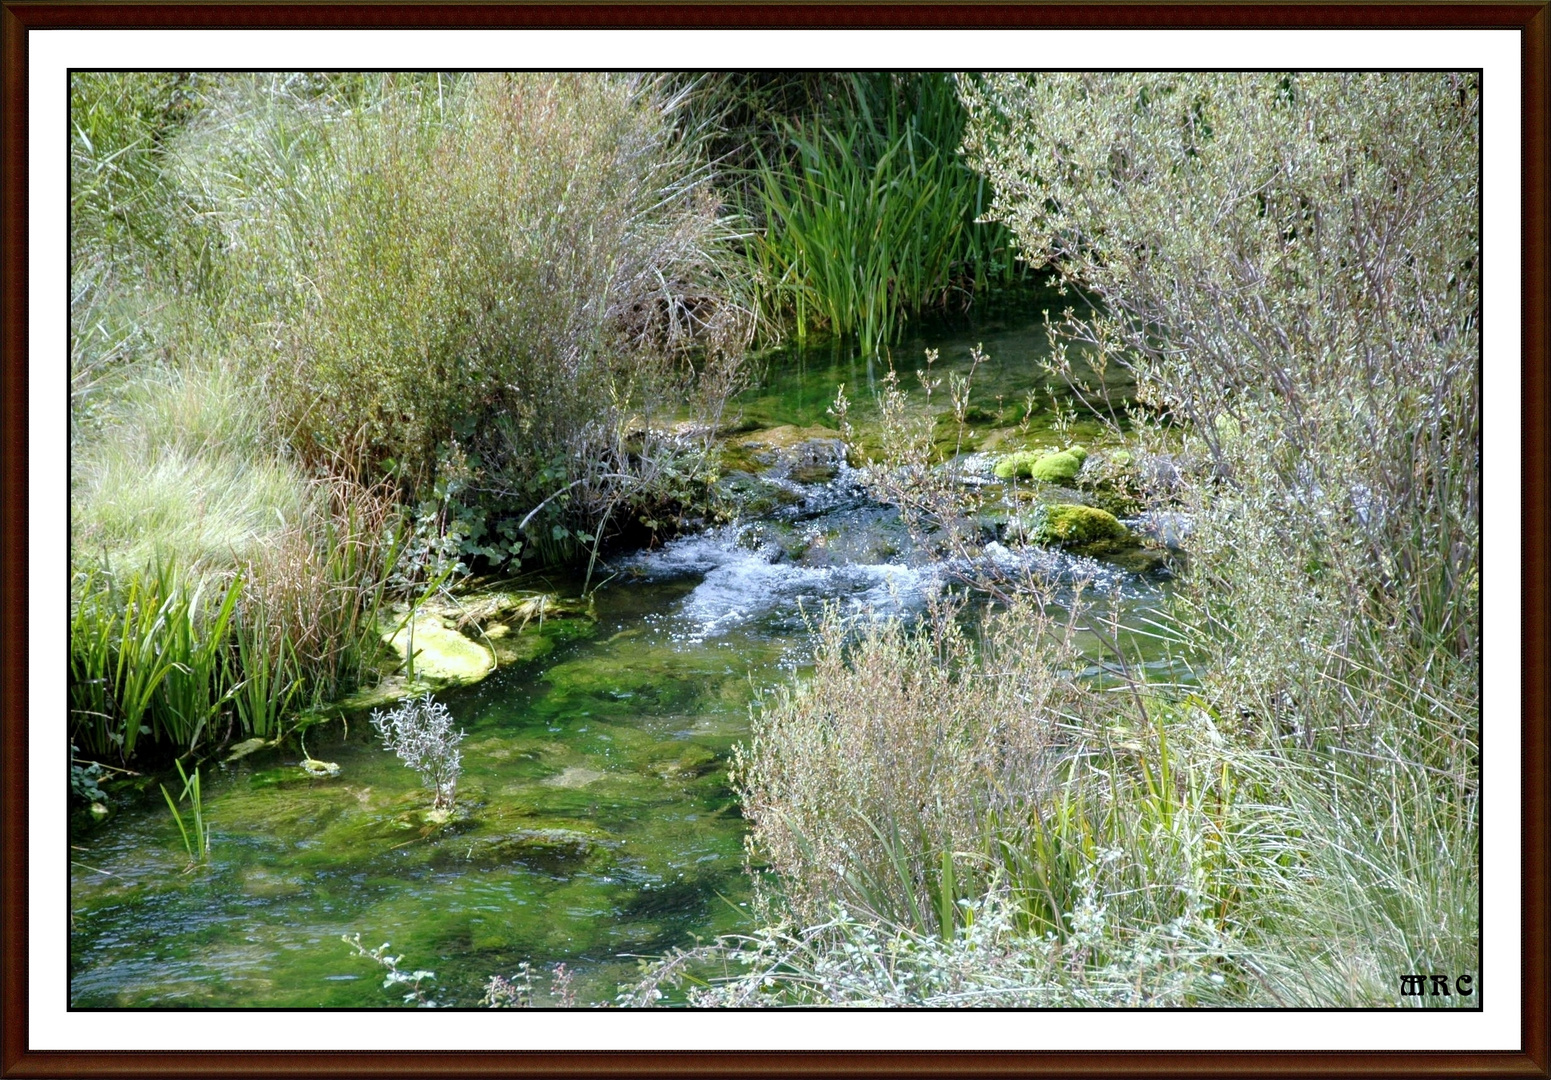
pixel 870 216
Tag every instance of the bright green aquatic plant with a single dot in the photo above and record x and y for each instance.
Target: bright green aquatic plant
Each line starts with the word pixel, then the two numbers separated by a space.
pixel 196 835
pixel 144 656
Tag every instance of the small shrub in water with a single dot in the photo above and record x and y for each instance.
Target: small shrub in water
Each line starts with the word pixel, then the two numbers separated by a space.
pixel 517 991
pixel 416 994
pixel 420 732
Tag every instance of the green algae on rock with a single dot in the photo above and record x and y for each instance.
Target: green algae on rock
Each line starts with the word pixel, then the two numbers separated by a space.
pixel 807 455
pixel 441 654
pixel 1053 468
pixel 1070 525
pixel 461 640
pixel 547 849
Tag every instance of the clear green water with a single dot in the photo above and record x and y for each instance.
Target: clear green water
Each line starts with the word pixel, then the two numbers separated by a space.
pixel 595 819
pixel 798 386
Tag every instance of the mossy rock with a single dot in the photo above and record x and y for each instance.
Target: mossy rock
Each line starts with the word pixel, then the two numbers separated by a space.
pixel 974 416
pixel 1016 464
pixel 787 450
pixel 1053 468
pixel 755 496
pixel 820 472
pixel 389 689
pixel 787 437
pixel 1139 559
pixel 734 459
pixel 442 655
pixel 1070 525
pixel 1056 468
pixel 1117 502
pixel 244 748
pixel 525 645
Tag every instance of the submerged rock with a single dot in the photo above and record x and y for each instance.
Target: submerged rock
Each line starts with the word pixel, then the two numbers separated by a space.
pixel 1112 482
pixel 1171 530
pixel 675 761
pixel 574 776
pixel 552 850
pixel 808 455
pixel 319 769
pixel 389 688
pixel 246 747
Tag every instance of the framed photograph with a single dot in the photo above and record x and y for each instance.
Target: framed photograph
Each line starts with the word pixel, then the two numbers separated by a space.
pixel 774 540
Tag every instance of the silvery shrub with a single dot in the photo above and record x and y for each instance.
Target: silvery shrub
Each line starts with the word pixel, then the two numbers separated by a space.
pixel 420 732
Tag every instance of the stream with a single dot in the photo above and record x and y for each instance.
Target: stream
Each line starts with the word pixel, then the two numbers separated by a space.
pixel 596 823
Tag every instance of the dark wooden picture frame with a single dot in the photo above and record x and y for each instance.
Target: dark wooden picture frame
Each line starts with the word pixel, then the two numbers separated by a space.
pixel 18 1059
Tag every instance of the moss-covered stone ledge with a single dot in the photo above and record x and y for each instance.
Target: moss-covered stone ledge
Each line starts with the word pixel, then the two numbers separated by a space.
pixel 460 640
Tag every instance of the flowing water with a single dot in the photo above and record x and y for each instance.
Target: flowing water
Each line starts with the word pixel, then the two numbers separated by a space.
pixel 595 821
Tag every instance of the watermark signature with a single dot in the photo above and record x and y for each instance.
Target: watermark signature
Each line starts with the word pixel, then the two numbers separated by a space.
pixel 1437 985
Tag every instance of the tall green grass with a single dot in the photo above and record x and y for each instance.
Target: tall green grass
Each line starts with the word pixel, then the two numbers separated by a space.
pixel 870 216
pixel 176 656
pixel 146 660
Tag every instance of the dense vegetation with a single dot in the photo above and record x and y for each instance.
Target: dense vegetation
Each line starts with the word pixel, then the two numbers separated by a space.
pixel 1289 266
pixel 336 334
pixel 337 337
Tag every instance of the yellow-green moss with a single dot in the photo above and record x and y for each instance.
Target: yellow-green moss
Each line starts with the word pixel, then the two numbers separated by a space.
pixel 1071 525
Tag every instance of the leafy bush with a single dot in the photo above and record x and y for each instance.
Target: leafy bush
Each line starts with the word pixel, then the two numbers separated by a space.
pixel 419 731
pixel 1290 266
pixel 873 782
